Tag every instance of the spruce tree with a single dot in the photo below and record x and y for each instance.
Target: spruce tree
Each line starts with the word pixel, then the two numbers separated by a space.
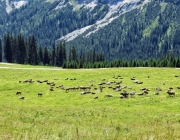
pixel 22 50
pixel 32 51
pixel 8 48
pixel 74 54
pixel 40 54
pixel 46 56
pixel 15 50
pixel 63 52
pixel 53 54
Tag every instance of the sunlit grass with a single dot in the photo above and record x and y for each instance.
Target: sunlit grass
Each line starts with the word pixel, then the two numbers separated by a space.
pixel 61 115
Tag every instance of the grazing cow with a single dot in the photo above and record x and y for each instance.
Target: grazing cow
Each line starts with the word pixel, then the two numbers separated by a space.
pixel 39 81
pixel 96 97
pixel 22 98
pixel 52 84
pixel 110 87
pixel 145 91
pixel 158 89
pixel 136 81
pixel 18 93
pixel 132 93
pixel 178 87
pixel 140 94
pixel 156 93
pixel 139 82
pixel 29 80
pixel 51 89
pixel 83 93
pixel 143 88
pixel 133 78
pixel 121 97
pixel 171 93
pixel 108 95
pixel 40 94
pixel 125 94
pixel 66 78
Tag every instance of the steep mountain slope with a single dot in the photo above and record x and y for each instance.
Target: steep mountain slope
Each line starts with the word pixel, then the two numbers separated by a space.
pixel 116 8
pixel 153 31
pixel 129 29
pixel 54 19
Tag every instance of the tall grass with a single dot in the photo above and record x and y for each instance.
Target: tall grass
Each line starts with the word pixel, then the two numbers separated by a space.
pixel 60 115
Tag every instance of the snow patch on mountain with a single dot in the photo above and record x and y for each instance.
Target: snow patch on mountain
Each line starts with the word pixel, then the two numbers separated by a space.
pixel 10 5
pixel 18 4
pixel 91 5
pixel 119 8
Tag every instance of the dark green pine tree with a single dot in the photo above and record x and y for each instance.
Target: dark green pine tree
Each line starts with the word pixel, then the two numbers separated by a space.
pixel 15 49
pixel 82 59
pixel 46 60
pixel 0 50
pixel 40 54
pixel 74 54
pixel 178 63
pixel 22 50
pixel 94 57
pixel 70 54
pixel 32 51
pixel 57 56
pixel 61 54
pixel 8 48
pixel 64 57
pixel 53 54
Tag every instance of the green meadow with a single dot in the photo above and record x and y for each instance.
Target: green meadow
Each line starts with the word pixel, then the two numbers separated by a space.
pixel 61 115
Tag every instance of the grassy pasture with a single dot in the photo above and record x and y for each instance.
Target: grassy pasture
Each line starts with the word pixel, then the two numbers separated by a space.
pixel 60 115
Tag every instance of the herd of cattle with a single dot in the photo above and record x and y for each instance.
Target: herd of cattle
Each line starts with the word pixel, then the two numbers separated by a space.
pixel 115 86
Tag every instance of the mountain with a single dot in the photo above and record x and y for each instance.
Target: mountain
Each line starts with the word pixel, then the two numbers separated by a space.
pixel 129 29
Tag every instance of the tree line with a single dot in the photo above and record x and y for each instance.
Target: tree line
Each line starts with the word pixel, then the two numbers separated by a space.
pixel 17 49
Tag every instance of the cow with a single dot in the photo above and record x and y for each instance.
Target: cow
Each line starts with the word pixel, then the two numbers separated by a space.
pixel 22 98
pixel 171 93
pixel 40 94
pixel 18 93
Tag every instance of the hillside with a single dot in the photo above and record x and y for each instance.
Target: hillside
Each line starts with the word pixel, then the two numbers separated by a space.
pixel 137 29
pixel 152 31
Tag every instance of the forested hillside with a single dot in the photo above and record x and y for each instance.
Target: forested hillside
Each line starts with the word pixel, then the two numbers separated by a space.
pixel 148 31
pixel 151 32
pixel 48 21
